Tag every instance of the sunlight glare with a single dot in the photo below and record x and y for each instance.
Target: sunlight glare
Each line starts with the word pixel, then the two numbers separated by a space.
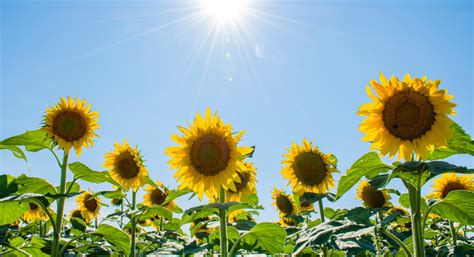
pixel 225 11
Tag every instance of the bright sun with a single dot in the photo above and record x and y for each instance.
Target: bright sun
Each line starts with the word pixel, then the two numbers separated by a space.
pixel 225 11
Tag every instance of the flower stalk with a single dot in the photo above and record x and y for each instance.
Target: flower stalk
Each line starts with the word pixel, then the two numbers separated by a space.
pixel 133 224
pixel 60 206
pixel 223 224
pixel 323 219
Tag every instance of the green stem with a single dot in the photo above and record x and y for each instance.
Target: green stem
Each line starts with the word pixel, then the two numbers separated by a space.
pixel 377 241
pixel 60 206
pixel 18 249
pixel 323 219
pixel 425 216
pixel 223 224
pixel 133 223
pixel 234 247
pixel 417 230
pixel 398 241
pixel 453 233
pixel 161 224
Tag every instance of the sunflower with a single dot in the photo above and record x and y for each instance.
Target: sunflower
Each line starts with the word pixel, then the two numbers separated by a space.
pixel 34 213
pixel 236 215
pixel 157 195
pixel 284 203
pixel 245 187
pixel 407 116
pixel 116 202
pixel 126 166
pixel 207 156
pixel 449 182
pixel 308 169
pixel 287 222
pixel 199 227
pixel 305 206
pixel 77 213
pixel 70 123
pixel 372 197
pixel 88 205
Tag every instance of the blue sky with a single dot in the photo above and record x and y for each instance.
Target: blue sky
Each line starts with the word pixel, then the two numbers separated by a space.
pixel 295 69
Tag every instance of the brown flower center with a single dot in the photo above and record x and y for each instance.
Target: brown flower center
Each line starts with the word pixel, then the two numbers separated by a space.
pixel 310 169
pixel 408 115
pixel 158 196
pixel 451 187
pixel 126 166
pixel 91 204
pixel 244 180
pixel 372 197
pixel 305 204
pixel 33 206
pixel 284 204
pixel 69 125
pixel 77 214
pixel 210 154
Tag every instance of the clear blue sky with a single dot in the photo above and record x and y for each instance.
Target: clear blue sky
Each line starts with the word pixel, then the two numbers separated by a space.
pixel 296 69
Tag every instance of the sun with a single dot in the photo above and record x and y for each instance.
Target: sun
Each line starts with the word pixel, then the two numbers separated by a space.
pixel 225 11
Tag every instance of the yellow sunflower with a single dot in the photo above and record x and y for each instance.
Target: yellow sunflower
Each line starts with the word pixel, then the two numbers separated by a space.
pixel 372 197
pixel 305 206
pixel 449 182
pixel 308 169
pixel 239 215
pixel 77 213
pixel 284 203
pixel 89 206
pixel 157 195
pixel 126 166
pixel 245 187
pixel 200 227
pixel 287 222
pixel 70 123
pixel 407 116
pixel 207 156
pixel 34 213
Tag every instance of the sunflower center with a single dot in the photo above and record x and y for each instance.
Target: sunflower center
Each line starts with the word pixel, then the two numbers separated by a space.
pixel 408 115
pixel 373 198
pixel 451 187
pixel 284 204
pixel 126 165
pixel 158 196
pixel 310 169
pixel 91 204
pixel 244 180
pixel 33 206
pixel 210 154
pixel 77 214
pixel 69 125
pixel 305 204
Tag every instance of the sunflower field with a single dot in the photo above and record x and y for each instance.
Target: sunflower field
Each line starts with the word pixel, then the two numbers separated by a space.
pixel 407 120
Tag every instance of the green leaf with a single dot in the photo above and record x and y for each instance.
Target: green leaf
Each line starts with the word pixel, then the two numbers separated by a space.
pixel 115 236
pixel 34 185
pixel 16 151
pixel 32 140
pixel 457 206
pixel 117 194
pixel 232 236
pixel 7 185
pixel 82 172
pixel 154 210
pixel 459 143
pixel 368 165
pixel 404 201
pixel 173 194
pixel 11 212
pixel 267 237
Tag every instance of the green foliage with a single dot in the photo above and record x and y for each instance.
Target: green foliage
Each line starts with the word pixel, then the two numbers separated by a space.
pixel 265 236
pixel 15 150
pixel 11 212
pixel 457 206
pixel 32 140
pixel 115 236
pixel 459 143
pixel 82 172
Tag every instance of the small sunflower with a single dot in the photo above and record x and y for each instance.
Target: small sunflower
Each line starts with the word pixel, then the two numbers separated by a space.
pixel 157 195
pixel 407 116
pixel 89 206
pixel 200 227
pixel 77 213
pixel 308 169
pixel 305 206
pixel 126 166
pixel 245 187
pixel 70 123
pixel 449 182
pixel 287 222
pixel 236 215
pixel 34 213
pixel 284 203
pixel 372 197
pixel 116 202
pixel 207 156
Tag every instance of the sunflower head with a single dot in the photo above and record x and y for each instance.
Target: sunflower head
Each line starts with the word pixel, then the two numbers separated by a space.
pixel 284 202
pixel 305 206
pixel 70 123
pixel 77 213
pixel 245 187
pixel 308 169
pixel 126 166
pixel 157 196
pixel 89 205
pixel 406 117
pixel 372 197
pixel 199 227
pixel 449 182
pixel 287 222
pixel 116 202
pixel 207 156
pixel 34 213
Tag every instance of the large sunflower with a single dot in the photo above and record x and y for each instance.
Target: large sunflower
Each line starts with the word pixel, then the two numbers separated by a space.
pixel 245 187
pixel 70 123
pixel 89 206
pixel 157 195
pixel 308 169
pixel 284 203
pixel 207 156
pixel 449 182
pixel 407 116
pixel 372 197
pixel 34 213
pixel 126 166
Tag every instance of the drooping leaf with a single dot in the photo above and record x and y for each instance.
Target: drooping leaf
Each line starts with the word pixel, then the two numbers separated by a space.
pixel 267 237
pixel 369 165
pixel 7 185
pixel 115 236
pixel 82 172
pixel 457 206
pixel 173 194
pixel 16 151
pixel 154 210
pixel 116 194
pixel 459 143
pixel 11 212
pixel 34 185
pixel 27 198
pixel 32 140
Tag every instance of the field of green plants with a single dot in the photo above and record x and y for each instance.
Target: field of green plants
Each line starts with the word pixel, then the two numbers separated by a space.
pixel 407 120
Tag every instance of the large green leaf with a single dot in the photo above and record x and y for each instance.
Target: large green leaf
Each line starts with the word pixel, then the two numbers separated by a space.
pixel 34 185
pixel 267 237
pixel 115 236
pixel 154 210
pixel 457 206
pixel 368 165
pixel 7 185
pixel 459 143
pixel 82 172
pixel 11 212
pixel 27 198
pixel 32 140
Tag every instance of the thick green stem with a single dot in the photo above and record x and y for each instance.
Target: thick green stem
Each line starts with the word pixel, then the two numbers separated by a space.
pixel 323 219
pixel 223 224
pixel 398 241
pixel 453 233
pixel 133 224
pixel 416 221
pixel 376 231
pixel 60 206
